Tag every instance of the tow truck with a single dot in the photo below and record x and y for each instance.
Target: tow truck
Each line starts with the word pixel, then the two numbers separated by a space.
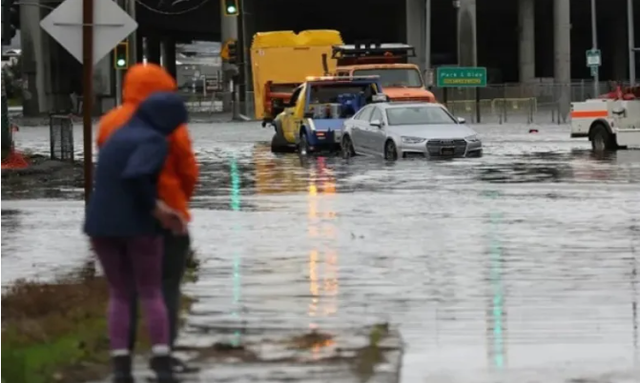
pixel 611 121
pixel 313 119
pixel 401 80
pixel 281 61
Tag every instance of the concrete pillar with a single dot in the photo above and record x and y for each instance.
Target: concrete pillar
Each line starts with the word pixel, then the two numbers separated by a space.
pixel 526 23
pixel 416 30
pixel 467 27
pixel 153 48
pixel 169 55
pixel 562 55
pixel 619 44
pixel 35 55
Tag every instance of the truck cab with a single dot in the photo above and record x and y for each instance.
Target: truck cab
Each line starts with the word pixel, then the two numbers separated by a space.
pixel 401 80
pixel 314 118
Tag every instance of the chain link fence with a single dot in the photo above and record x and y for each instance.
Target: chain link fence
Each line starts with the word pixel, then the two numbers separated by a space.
pixel 544 102
pixel 535 103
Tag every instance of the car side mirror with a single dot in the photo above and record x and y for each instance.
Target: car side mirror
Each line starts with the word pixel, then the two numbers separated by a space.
pixel 377 123
pixel 461 120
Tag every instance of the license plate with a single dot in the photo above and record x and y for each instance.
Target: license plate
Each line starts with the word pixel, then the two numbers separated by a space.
pixel 447 151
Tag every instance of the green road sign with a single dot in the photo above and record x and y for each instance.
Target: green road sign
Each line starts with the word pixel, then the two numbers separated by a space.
pixel 594 58
pixel 461 77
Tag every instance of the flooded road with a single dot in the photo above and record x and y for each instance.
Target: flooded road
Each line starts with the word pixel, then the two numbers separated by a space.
pixel 518 266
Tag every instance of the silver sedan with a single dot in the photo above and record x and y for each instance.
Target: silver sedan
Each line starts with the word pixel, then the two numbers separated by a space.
pixel 399 130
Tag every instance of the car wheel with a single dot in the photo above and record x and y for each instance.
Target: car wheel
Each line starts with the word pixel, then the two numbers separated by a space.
pixel 303 146
pixel 390 151
pixel 602 140
pixel 347 147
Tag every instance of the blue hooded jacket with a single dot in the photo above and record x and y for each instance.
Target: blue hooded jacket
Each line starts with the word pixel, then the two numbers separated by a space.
pixel 129 163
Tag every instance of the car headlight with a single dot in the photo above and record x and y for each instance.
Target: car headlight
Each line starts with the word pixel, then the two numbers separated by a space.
pixel 412 140
pixel 472 138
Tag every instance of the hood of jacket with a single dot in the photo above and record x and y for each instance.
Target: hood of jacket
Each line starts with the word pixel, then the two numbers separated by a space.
pixel 162 111
pixel 142 80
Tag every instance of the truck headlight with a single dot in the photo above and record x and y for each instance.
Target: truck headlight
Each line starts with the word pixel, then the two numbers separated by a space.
pixel 412 140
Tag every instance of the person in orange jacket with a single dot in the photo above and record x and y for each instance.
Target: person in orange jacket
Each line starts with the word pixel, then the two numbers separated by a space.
pixel 176 186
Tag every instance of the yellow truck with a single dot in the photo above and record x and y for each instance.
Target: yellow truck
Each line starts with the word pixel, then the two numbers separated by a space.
pixel 282 60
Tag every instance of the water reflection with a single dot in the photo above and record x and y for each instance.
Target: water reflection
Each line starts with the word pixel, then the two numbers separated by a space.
pixel 635 230
pixel 496 313
pixel 620 165
pixel 237 257
pixel 323 258
pixel 10 221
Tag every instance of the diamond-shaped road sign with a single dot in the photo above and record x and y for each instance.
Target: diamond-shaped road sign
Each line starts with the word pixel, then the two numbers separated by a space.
pixel 110 26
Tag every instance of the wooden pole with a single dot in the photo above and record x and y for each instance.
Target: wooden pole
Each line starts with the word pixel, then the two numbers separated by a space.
pixel 87 94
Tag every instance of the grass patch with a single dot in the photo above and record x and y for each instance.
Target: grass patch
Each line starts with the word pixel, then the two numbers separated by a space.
pixel 14 102
pixel 56 332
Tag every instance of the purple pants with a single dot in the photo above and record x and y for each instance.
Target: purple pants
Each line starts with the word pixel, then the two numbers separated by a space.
pixel 130 263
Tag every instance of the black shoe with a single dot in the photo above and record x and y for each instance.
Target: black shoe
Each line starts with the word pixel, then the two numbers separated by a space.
pixel 162 367
pixel 180 367
pixel 122 369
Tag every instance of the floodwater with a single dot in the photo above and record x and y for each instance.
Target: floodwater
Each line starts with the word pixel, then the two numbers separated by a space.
pixel 520 266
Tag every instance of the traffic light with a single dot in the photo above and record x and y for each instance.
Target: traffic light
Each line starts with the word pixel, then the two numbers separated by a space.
pixel 121 56
pixel 230 7
pixel 232 47
pixel 10 20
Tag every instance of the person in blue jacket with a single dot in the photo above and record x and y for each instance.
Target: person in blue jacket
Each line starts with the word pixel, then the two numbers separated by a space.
pixel 124 220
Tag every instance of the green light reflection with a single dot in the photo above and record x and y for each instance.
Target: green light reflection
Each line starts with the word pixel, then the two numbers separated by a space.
pixel 237 259
pixel 497 311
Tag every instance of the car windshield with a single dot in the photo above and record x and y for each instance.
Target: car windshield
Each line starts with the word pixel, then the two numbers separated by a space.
pixel 394 77
pixel 418 115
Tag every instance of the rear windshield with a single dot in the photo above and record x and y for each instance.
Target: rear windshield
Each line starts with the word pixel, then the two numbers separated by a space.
pixel 394 77
pixel 418 115
pixel 328 93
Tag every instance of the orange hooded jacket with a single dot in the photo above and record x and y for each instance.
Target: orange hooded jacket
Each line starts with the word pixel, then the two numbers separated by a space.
pixel 180 174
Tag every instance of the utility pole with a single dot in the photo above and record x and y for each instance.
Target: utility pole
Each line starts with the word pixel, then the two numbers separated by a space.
pixel 594 43
pixel 87 95
pixel 632 44
pixel 427 37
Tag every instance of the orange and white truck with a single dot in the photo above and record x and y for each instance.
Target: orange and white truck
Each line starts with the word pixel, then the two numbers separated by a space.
pixel 610 122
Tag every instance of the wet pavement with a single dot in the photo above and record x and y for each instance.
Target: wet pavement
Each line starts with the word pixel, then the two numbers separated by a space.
pixel 520 266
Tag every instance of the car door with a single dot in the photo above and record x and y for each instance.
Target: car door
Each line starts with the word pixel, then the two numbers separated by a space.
pixel 376 135
pixel 360 124
pixel 291 120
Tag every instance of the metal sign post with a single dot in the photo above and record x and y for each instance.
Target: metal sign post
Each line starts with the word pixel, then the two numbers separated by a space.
pixel 594 60
pixel 75 25
pixel 87 95
pixel 632 44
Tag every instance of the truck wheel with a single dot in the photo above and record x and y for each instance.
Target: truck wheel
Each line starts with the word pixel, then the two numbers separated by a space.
pixel 602 140
pixel 303 146
pixel 278 143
